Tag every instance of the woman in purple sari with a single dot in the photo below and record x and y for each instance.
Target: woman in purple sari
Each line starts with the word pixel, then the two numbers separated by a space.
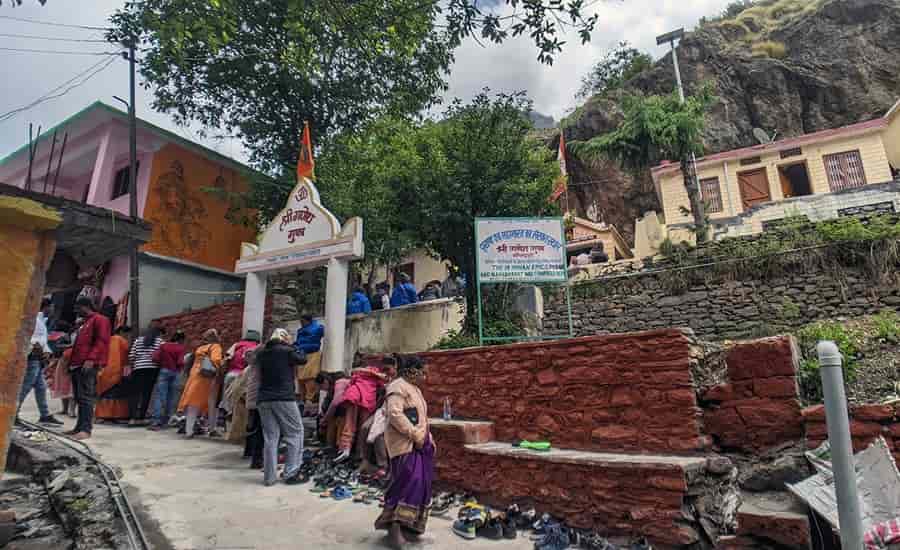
pixel 407 502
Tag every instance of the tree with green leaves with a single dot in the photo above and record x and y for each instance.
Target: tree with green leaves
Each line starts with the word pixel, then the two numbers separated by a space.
pixel 615 68
pixel 423 184
pixel 482 162
pixel 359 175
pixel 657 128
pixel 256 70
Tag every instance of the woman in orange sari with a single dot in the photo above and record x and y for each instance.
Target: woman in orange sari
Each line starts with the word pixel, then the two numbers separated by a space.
pixel 110 407
pixel 201 383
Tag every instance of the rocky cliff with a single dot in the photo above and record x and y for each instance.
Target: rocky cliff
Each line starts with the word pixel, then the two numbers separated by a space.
pixel 786 66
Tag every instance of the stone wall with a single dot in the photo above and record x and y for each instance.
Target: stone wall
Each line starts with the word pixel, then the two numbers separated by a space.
pixel 756 407
pixel 866 423
pixel 625 392
pixel 227 318
pixel 719 309
pixel 618 495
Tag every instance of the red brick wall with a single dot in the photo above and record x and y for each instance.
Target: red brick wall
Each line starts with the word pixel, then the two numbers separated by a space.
pixel 626 392
pixel 866 423
pixel 758 407
pixel 624 500
pixel 227 318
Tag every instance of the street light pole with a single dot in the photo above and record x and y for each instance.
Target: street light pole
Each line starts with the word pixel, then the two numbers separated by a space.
pixel 671 37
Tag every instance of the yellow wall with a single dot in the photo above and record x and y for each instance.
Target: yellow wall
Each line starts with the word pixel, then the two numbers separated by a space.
pixel 891 137
pixel 611 244
pixel 427 269
pixel 189 223
pixel 870 146
pixel 648 234
pixel 28 247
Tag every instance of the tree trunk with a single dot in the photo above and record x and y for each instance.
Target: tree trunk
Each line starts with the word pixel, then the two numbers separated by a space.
pixel 692 185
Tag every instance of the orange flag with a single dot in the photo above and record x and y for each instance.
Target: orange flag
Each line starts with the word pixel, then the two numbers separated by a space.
pixel 305 162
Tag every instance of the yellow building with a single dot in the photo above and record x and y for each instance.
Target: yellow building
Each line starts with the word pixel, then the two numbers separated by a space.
pixel 817 175
pixel 585 235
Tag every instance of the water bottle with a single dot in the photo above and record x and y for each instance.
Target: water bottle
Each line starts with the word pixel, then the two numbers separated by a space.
pixel 448 413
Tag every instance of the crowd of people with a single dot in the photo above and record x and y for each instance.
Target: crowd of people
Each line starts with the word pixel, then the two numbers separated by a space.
pixel 375 416
pixel 363 301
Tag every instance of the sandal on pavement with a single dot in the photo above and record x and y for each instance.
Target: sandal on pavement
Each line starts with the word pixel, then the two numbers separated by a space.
pixel 341 493
pixel 491 530
pixel 465 528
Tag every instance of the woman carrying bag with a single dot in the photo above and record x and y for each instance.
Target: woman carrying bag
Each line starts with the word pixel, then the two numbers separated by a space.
pixel 202 382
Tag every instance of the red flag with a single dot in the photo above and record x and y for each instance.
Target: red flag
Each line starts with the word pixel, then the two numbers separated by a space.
pixel 558 191
pixel 561 156
pixel 305 162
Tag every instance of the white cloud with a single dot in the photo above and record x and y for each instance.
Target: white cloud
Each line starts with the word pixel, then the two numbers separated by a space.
pixel 511 66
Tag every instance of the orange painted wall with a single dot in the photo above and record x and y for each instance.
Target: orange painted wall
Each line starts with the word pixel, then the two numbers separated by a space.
pixel 188 222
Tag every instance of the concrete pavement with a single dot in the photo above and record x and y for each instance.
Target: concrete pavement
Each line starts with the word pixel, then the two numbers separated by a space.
pixel 202 495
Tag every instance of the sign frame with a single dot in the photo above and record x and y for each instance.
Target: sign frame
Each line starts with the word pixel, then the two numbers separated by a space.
pixel 511 339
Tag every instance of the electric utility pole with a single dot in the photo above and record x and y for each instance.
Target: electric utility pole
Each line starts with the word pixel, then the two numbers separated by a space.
pixel 134 298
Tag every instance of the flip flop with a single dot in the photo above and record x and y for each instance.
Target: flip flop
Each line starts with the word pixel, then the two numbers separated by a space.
pixel 341 493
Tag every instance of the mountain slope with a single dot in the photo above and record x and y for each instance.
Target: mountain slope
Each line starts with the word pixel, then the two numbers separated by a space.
pixel 787 66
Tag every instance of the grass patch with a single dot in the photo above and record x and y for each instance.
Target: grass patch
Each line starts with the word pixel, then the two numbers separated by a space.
pixel 754 23
pixel 769 48
pixel 887 326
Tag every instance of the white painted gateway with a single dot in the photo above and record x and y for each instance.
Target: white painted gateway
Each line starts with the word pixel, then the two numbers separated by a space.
pixel 304 235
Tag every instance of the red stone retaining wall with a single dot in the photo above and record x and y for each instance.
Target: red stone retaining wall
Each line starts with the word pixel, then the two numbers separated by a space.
pixel 619 499
pixel 227 318
pixel 758 407
pixel 866 423
pixel 625 392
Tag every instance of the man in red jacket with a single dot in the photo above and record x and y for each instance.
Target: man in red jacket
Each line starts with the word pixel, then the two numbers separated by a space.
pixel 89 355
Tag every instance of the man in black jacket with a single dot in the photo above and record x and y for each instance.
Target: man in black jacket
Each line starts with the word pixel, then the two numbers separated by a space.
pixel 277 405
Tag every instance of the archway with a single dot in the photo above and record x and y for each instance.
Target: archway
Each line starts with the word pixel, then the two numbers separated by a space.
pixel 304 235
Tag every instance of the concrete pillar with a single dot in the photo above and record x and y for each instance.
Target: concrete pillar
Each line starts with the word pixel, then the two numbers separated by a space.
pixel 255 303
pixel 335 314
pixel 28 245
pixel 100 191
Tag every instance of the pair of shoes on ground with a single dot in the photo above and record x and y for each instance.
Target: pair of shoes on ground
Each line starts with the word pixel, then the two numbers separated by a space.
pixel 555 537
pixel 342 456
pixel 297 479
pixel 341 492
pixel 49 420
pixel 471 517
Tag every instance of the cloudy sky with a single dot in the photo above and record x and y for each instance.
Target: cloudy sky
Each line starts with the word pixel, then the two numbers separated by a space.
pixel 27 76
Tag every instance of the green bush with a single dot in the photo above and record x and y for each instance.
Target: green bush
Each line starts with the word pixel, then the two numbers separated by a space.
pixel 847 341
pixel 887 326
pixel 457 340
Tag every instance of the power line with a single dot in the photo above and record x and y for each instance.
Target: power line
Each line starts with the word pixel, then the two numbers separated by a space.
pixel 52 38
pixel 57 52
pixel 52 24
pixel 87 74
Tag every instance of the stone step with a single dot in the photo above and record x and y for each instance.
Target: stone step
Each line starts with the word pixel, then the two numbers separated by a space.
pixel 774 517
pixel 618 494
pixel 687 464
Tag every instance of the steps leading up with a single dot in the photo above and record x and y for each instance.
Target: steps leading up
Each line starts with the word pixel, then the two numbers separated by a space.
pixel 625 494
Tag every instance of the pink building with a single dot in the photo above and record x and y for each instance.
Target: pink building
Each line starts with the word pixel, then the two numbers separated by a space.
pixel 189 262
